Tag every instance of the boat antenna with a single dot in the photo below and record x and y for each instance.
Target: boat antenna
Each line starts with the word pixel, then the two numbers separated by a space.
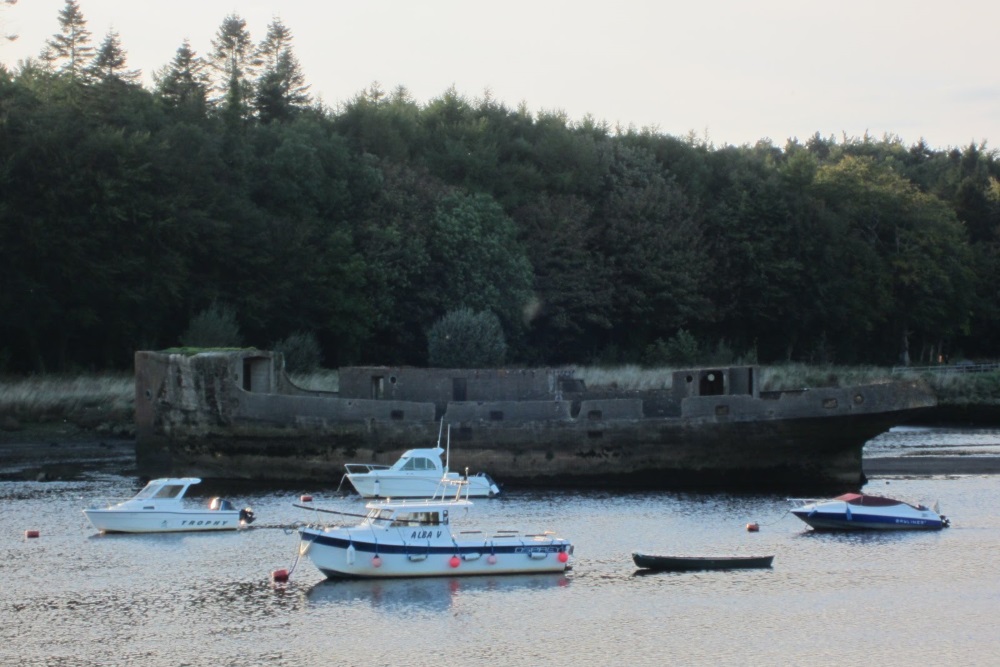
pixel 447 452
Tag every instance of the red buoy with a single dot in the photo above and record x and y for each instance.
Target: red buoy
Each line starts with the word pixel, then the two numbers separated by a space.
pixel 376 561
pixel 280 575
pixel 753 527
pixel 306 499
pixel 31 533
pixel 455 561
pixel 563 556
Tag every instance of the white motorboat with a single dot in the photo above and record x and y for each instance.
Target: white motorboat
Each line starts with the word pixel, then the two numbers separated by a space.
pixel 415 538
pixel 417 474
pixel 859 511
pixel 160 508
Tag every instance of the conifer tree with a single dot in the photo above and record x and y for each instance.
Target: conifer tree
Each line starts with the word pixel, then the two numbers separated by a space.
pixel 69 50
pixel 110 60
pixel 281 88
pixel 233 62
pixel 184 85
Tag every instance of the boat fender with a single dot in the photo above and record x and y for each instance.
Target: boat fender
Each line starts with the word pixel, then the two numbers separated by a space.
pixel 246 515
pixel 349 554
pixel 563 556
pixel 455 561
pixel 376 561
pixel 491 559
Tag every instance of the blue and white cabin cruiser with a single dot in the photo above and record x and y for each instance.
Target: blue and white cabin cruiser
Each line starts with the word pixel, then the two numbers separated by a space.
pixel 417 474
pixel 416 538
pixel 160 508
pixel 859 511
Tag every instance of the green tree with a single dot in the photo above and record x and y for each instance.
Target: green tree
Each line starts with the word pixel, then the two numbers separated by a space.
pixel 69 51
pixel 476 260
pixel 281 88
pixel 109 62
pixel 466 339
pixel 183 85
pixel 653 250
pixel 234 64
pixel 918 251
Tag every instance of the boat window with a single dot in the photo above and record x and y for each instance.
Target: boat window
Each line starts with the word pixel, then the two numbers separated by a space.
pixel 170 491
pixel 147 491
pixel 382 515
pixel 416 519
pixel 418 463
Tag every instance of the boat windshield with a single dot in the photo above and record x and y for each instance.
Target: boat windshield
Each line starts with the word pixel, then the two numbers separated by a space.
pixel 418 463
pixel 380 515
pixel 417 519
pixel 169 491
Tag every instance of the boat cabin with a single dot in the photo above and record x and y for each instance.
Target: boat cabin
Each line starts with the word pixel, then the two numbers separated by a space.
pixel 420 461
pixel 166 489
pixel 397 517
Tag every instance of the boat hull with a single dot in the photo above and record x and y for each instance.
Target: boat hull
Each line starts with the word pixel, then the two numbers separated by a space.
pixel 138 521
pixel 381 485
pixel 834 520
pixel 340 556
pixel 690 563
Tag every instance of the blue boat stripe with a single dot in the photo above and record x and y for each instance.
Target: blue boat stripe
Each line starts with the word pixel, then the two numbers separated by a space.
pixel 849 519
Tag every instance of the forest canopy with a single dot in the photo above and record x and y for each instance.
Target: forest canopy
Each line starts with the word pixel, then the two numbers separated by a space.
pixel 127 212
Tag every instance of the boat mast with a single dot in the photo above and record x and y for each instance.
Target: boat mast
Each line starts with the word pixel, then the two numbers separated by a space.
pixel 447 455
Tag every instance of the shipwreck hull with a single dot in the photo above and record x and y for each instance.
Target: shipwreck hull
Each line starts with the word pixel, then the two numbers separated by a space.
pixel 198 418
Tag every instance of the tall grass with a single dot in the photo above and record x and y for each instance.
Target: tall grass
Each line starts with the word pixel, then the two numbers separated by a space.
pixel 770 378
pixel 46 398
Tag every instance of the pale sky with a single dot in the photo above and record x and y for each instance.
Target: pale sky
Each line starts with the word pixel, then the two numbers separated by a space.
pixel 731 71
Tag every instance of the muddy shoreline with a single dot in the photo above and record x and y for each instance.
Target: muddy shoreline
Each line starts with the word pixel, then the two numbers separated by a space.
pixel 65 452
pixel 52 452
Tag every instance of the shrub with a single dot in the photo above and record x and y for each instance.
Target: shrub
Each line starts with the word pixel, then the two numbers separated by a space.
pixel 681 350
pixel 301 351
pixel 213 327
pixel 466 339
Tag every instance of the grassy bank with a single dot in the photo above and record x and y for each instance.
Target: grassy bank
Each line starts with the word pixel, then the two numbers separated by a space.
pixel 105 403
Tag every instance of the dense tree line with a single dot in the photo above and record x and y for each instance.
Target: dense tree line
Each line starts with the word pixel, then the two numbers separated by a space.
pixel 125 212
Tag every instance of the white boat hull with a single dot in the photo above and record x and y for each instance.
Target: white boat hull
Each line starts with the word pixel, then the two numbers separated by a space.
pixel 402 485
pixel 339 555
pixel 154 521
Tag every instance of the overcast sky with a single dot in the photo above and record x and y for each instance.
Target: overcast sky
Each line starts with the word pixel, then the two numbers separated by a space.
pixel 731 71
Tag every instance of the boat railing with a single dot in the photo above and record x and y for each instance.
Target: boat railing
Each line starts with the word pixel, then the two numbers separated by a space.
pixel 363 468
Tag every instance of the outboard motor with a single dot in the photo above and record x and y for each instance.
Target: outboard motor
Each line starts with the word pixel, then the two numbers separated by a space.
pixel 246 515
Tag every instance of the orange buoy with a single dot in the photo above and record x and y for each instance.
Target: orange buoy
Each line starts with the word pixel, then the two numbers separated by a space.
pixel 753 527
pixel 31 533
pixel 455 561
pixel 280 575
pixel 306 499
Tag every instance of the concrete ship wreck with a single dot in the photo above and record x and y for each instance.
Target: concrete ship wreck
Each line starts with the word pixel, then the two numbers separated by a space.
pixel 236 415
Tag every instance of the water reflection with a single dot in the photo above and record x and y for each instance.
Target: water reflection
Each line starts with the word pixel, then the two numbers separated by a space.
pixel 435 594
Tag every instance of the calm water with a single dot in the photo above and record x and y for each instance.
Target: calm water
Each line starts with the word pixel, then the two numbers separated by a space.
pixel 73 597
